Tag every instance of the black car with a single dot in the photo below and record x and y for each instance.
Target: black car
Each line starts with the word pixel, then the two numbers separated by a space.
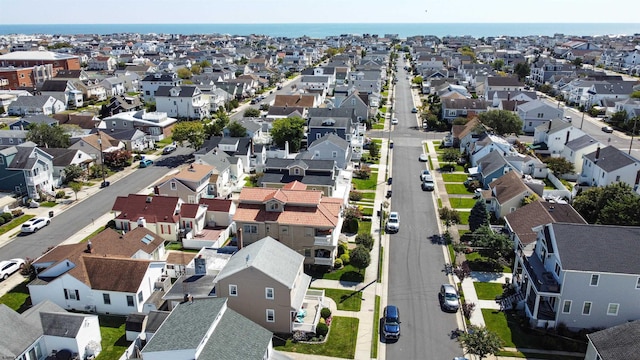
pixel 104 184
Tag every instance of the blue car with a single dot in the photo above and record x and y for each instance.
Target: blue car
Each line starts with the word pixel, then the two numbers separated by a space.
pixel 145 163
pixel 391 323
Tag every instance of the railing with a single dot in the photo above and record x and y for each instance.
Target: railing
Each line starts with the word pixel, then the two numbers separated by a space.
pixel 542 280
pixel 323 261
pixel 322 240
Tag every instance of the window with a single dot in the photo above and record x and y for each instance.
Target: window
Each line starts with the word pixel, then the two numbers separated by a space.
pixel 557 269
pixel 130 300
pixel 308 231
pixel 284 229
pixel 586 308
pixel 613 309
pixel 268 293
pixel 595 278
pixel 271 315
pixel 233 290
pixel 106 298
pixel 334 154
pixel 71 294
pixel 307 252
pixel 174 186
pixel 638 283
pixel 140 297
pixel 566 307
pixel 250 229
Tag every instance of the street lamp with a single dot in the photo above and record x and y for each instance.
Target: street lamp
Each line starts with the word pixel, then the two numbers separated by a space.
pixel 104 180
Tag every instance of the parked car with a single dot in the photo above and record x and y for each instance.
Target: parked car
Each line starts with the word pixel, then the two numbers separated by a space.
pixel 426 175
pixel 104 184
pixel 391 322
pixel 393 222
pixel 8 267
pixel 414 110
pixel 394 121
pixel 34 224
pixel 567 118
pixel 607 129
pixel 428 185
pixel 146 163
pixel 423 157
pixel 169 149
pixel 448 297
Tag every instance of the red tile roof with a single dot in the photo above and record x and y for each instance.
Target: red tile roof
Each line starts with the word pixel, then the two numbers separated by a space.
pixel 261 195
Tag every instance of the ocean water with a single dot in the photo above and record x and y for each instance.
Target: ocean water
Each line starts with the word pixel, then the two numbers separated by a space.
pixel 334 29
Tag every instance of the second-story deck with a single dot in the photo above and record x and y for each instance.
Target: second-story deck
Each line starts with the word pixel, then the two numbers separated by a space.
pixel 543 280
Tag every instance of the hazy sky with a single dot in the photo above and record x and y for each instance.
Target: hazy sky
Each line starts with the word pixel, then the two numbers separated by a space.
pixel 326 11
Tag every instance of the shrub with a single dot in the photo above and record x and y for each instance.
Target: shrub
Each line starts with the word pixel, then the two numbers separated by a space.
pixel 345 259
pixel 322 321
pixel 364 172
pixel 337 264
pixel 328 321
pixel 365 240
pixel 355 195
pixel 2 221
pixel 325 313
pixel 299 336
pixel 322 330
pixel 467 309
pixel 17 212
pixel 7 217
pixel 60 194
pixel 343 248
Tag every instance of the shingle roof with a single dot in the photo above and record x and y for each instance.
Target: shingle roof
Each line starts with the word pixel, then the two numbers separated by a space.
pixel 616 247
pixel 15 339
pixel 508 186
pixel 100 271
pixel 153 208
pixel 618 342
pixel 581 142
pixel 539 213
pixel 611 158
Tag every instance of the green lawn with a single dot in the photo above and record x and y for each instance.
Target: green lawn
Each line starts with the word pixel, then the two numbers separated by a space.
pixel 346 300
pixel 461 203
pixel 464 217
pixel 376 324
pixel 366 184
pixel 114 343
pixel 347 273
pixel 341 341
pixel 507 326
pixel 368 195
pixel 48 204
pixel 366 211
pixel 481 262
pixel 439 203
pixel 487 290
pixel 364 227
pixel 454 177
pixel 383 110
pixel 377 126
pixel 458 189
pixel 14 223
pixel 17 298
pixel 446 167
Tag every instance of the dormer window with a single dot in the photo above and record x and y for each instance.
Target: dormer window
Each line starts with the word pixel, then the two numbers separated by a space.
pixel 274 206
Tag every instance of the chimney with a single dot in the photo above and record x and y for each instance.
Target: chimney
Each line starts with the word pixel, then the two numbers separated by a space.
pixel 597 153
pixel 239 238
pixel 89 249
pixel 509 96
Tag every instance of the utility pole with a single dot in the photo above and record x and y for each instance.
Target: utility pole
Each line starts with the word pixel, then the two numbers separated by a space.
pixel 633 132
pixel 104 180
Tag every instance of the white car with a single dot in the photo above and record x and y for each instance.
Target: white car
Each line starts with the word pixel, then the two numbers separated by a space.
pixel 426 175
pixel 35 224
pixel 394 121
pixel 8 267
pixel 393 223
pixel 423 157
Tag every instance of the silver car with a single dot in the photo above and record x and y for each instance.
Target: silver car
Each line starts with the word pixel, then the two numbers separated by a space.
pixel 448 297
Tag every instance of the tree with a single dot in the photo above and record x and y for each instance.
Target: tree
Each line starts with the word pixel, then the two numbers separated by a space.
pixel 451 156
pixel 559 165
pixel 635 94
pixel 48 136
pixel 76 187
pixel 251 112
pixel 577 62
pixel 449 216
pixel 502 122
pixel 117 159
pixel 72 173
pixel 480 341
pixel 184 73
pixel 190 131
pixel 497 64
pixel 365 239
pixel 522 70
pixel 288 130
pixel 479 216
pixel 236 129
pixel 615 204
pixel 360 257
pixel 417 80
pixel 374 149
pixel 497 245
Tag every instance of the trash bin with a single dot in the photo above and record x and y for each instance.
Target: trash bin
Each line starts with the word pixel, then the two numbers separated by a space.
pixel 51 213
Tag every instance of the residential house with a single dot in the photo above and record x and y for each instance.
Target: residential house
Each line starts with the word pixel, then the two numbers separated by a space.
pixel 487 143
pixel 609 165
pixel 329 147
pixel 185 101
pixel 501 83
pixel 150 84
pixel 551 138
pixel 366 81
pixel 301 219
pixel 156 125
pixel 114 85
pixel 47 329
pixel 189 184
pixel 506 194
pixel 339 121
pixel 273 294
pixel 280 112
pixel 541 73
pixel 64 90
pixel 223 334
pixel 26 170
pixel 113 273
pixel 614 90
pixel 314 174
pixel 453 108
pixel 133 139
pixel 13 137
pixel 95 145
pixel 465 135
pixel 85 121
pixel 305 101
pixel 364 105
pixel 92 89
pixel 105 63
pixel 25 122
pixel 616 342
pixel 536 113
pixel 36 105
pixel 236 151
pixel 575 149
pixel 160 214
pixel 61 158
pixel 122 103
pixel 559 287
pixel 315 83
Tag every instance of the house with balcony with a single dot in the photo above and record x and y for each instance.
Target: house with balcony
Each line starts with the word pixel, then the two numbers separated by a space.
pixel 329 147
pixel 206 224
pixel 46 329
pixel 314 174
pixel 185 101
pixel 454 108
pixel 609 165
pixel 159 214
pixel 266 283
pixel 156 125
pixel 65 157
pixel 150 83
pixel 113 273
pixel 189 184
pixel 26 170
pixel 303 220
pixel 562 282
pixel 188 335
pixel 235 153
pixel 551 138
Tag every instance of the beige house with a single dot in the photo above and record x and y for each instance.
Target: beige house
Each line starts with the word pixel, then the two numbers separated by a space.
pixel 506 193
pixel 301 219
pixel 266 283
pixel 189 184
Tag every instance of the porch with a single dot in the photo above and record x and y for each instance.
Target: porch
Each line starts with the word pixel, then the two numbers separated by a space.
pixel 307 317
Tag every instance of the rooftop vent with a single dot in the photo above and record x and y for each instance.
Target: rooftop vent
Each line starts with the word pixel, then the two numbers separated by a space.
pixel 149 199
